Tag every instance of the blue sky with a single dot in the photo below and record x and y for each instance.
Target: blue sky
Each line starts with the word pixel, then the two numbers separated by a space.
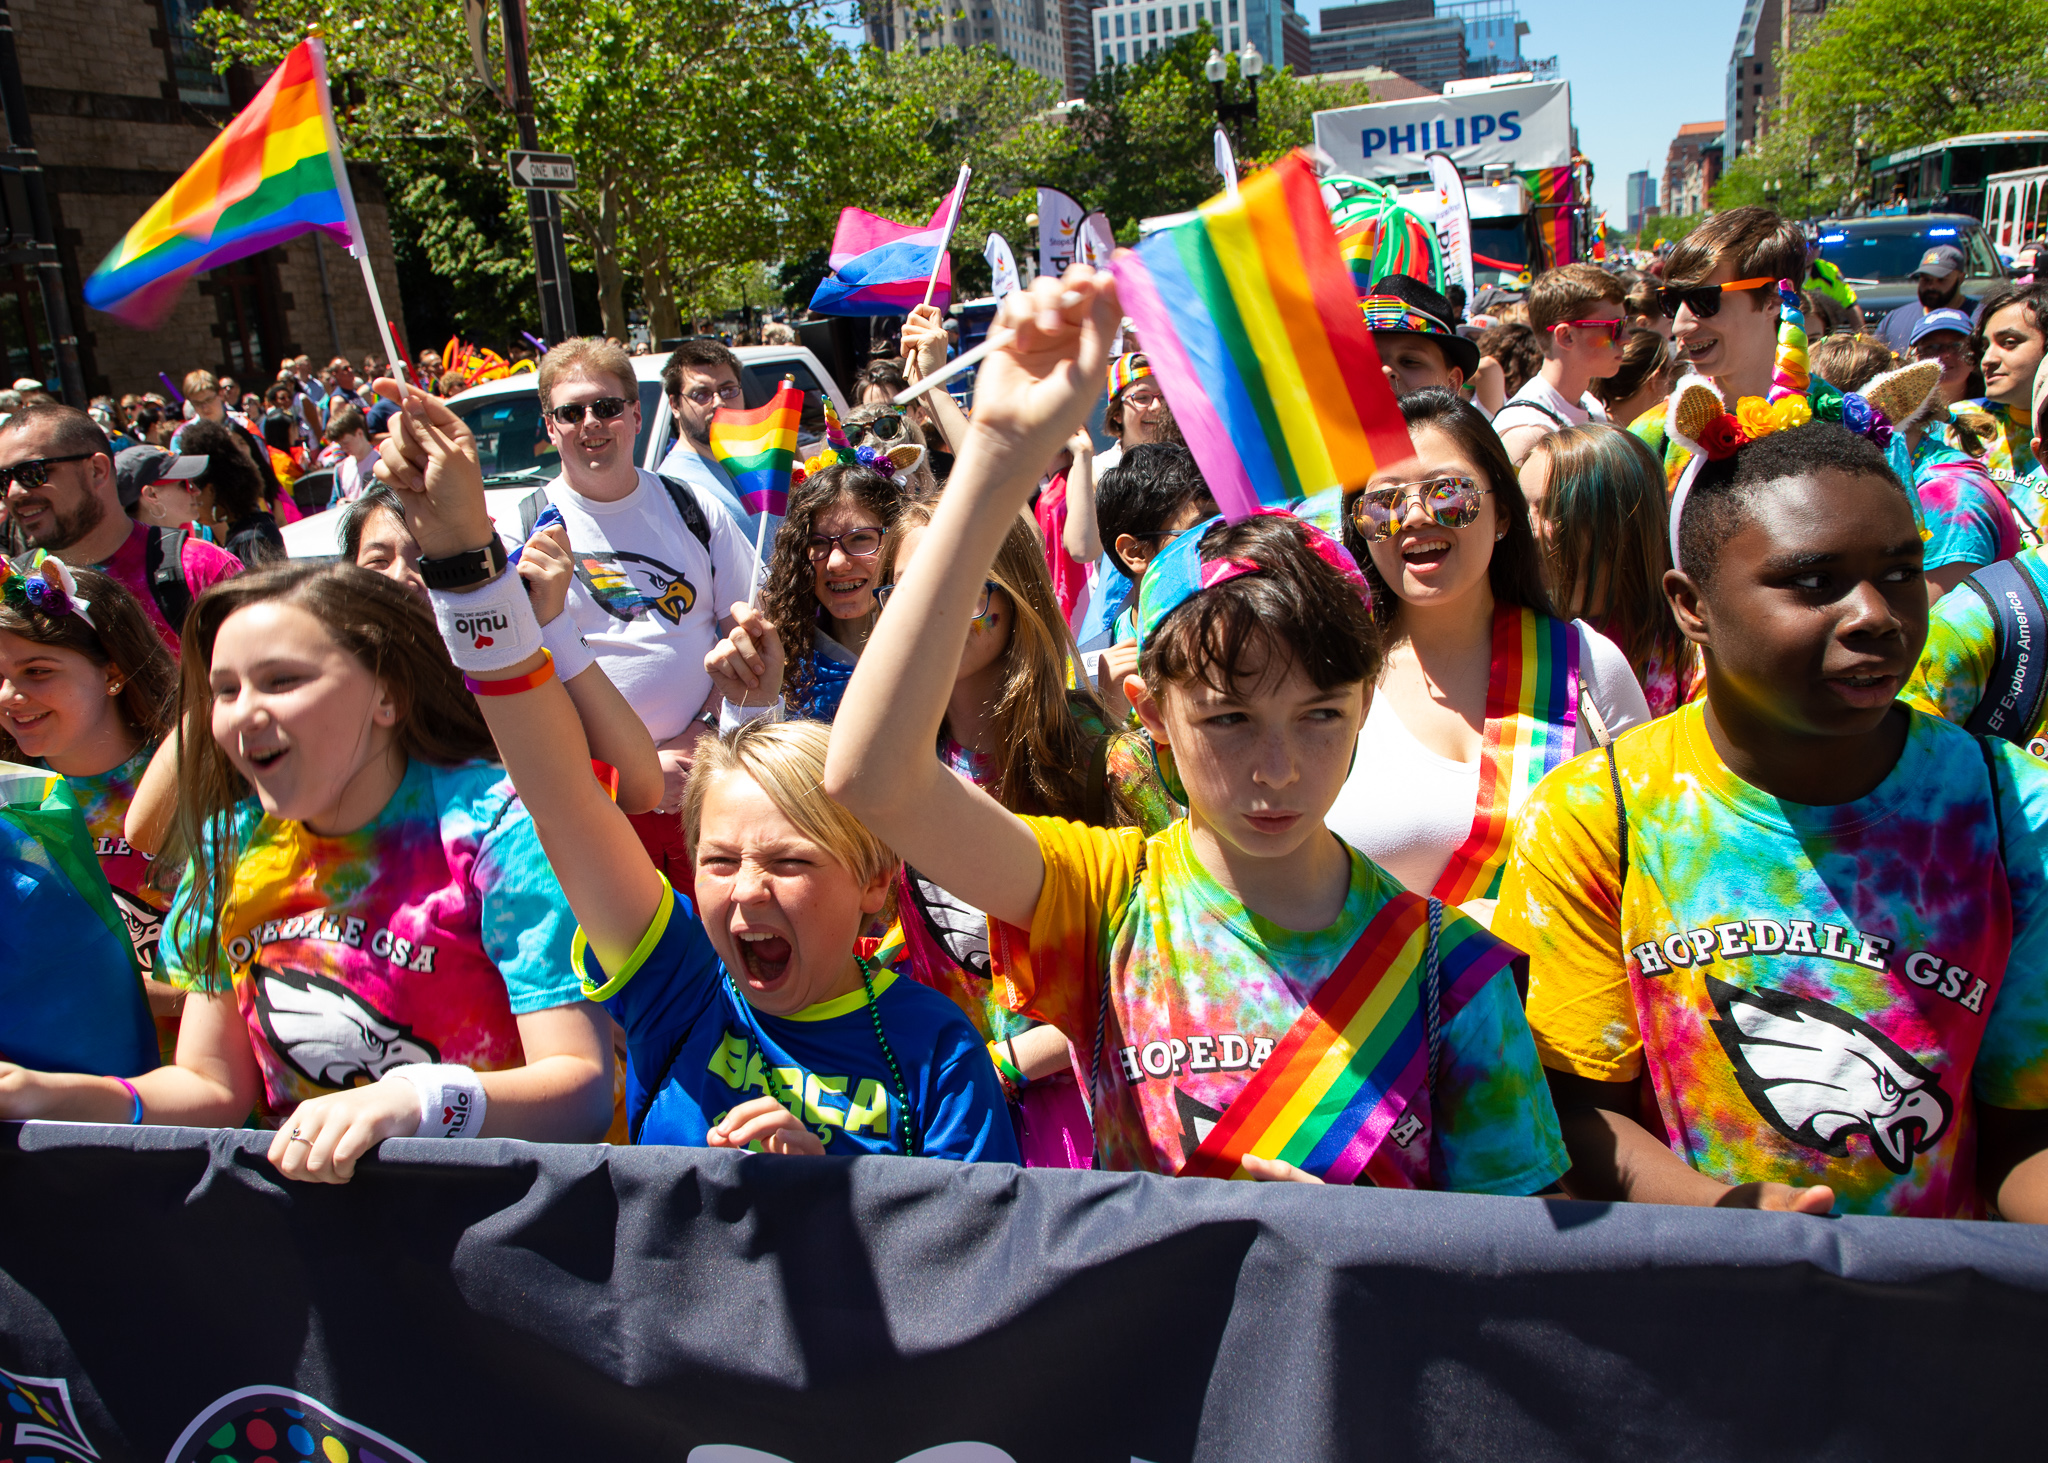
pixel 1637 71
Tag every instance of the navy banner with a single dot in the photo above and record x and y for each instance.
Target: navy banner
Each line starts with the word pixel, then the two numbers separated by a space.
pixel 165 1296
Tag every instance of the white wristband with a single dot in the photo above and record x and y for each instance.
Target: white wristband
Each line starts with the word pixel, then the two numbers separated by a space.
pixel 488 629
pixel 572 653
pixel 731 717
pixel 452 1099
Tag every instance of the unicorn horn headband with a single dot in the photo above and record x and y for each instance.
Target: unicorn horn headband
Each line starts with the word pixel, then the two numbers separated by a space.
pixel 47 588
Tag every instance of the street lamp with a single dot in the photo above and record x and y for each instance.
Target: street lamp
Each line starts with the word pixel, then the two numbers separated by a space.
pixel 1250 64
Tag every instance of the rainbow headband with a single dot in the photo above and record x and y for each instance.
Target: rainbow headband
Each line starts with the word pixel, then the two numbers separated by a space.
pixel 1126 370
pixel 46 589
pixel 1179 573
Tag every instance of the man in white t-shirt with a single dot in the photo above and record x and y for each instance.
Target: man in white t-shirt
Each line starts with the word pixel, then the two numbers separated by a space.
pixel 657 568
pixel 1577 312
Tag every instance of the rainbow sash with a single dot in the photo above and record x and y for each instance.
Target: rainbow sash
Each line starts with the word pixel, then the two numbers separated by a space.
pixel 1532 712
pixel 1351 1066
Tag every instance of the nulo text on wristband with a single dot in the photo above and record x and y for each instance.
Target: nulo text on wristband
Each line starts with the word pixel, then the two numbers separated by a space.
pixel 451 1097
pixel 488 629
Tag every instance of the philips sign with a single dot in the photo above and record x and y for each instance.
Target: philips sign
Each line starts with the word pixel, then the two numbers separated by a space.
pixel 1522 126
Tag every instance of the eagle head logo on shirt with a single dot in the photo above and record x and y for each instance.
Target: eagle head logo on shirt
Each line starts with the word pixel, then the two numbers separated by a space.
pixel 1820 1076
pixel 328 1033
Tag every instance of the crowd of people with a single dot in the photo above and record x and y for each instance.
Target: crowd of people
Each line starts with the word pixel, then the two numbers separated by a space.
pixel 1634 788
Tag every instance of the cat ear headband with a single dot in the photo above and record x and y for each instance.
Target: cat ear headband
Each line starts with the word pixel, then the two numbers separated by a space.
pixel 46 588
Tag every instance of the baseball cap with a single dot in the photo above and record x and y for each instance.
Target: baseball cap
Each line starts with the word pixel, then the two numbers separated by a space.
pixel 135 468
pixel 1935 321
pixel 1400 305
pixel 1941 259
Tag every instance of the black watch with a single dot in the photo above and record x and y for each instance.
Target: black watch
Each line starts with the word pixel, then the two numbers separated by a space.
pixel 465 571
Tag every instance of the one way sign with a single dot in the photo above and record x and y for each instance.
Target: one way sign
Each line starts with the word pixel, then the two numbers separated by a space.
pixel 556 170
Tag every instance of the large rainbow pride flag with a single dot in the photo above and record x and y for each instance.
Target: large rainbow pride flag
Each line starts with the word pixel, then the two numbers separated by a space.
pixel 274 173
pixel 758 448
pixel 1250 320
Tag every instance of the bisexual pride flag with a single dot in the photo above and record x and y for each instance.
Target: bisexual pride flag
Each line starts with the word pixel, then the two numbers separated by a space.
pixel 757 449
pixel 274 173
pixel 1250 321
pixel 881 268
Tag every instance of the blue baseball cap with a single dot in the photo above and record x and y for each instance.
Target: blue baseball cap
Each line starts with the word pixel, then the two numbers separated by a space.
pixel 1938 320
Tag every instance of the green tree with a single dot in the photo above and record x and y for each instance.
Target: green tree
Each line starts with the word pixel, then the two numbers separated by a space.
pixel 1875 76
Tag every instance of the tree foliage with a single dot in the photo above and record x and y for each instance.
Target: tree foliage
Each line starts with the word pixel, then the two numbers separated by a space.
pixel 1876 76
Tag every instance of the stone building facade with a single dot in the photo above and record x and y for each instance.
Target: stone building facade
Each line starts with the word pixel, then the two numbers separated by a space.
pixel 122 98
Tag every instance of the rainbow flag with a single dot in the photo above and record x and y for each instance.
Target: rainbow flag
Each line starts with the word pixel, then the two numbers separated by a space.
pixel 757 449
pixel 1532 713
pixel 1251 323
pixel 1355 1062
pixel 275 173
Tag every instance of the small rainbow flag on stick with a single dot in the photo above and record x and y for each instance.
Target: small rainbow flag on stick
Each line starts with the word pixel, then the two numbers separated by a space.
pixel 273 174
pixel 757 449
pixel 1250 320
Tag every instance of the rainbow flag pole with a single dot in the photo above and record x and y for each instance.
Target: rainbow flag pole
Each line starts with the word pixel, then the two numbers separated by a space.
pixel 274 172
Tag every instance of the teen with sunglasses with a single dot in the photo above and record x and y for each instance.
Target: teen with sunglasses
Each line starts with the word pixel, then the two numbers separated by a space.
pixel 1483 688
pixel 657 564
pixel 1578 313
pixel 1177 964
pixel 1789 946
pixel 818 603
pixel 64 495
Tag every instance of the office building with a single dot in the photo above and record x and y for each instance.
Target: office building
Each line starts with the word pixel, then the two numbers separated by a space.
pixel 1642 198
pixel 1692 167
pixel 1033 33
pixel 1404 36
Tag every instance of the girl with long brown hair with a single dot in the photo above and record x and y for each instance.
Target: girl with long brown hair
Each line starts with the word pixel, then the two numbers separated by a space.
pixel 88 690
pixel 373 943
pixel 1596 499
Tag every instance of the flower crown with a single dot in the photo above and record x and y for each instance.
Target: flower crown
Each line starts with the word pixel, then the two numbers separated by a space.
pixel 46 588
pixel 893 463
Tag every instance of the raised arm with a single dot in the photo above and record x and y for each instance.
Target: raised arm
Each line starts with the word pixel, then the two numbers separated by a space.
pixel 430 458
pixel 1082 537
pixel 883 764
pixel 924 351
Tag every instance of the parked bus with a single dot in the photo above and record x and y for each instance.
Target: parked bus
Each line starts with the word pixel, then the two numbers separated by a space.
pixel 1949 176
pixel 2015 208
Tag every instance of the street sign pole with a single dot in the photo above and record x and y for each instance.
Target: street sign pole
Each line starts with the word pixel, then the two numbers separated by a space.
pixel 557 314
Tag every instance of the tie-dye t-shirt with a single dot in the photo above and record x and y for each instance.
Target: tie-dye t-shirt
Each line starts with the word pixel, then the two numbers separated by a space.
pixel 104 799
pixel 1820 995
pixel 1962 655
pixel 417 938
pixel 2028 499
pixel 697 1050
pixel 1966 517
pixel 1200 990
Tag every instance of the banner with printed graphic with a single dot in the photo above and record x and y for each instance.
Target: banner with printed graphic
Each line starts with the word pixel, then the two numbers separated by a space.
pixel 1002 266
pixel 165 1296
pixel 1059 221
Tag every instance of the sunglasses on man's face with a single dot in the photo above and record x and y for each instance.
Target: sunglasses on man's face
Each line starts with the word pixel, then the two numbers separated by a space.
pixel 1450 501
pixel 35 472
pixel 1704 300
pixel 1604 332
pixel 605 408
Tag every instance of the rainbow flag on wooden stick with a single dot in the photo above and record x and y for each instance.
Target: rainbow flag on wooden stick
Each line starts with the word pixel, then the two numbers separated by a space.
pixel 758 448
pixel 1250 320
pixel 273 174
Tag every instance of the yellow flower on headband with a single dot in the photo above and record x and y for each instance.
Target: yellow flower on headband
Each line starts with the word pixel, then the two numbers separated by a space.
pixel 1754 413
pixel 1791 412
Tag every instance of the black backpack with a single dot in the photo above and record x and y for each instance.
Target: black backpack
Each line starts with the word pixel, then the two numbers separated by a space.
pixel 535 503
pixel 163 563
pixel 2012 697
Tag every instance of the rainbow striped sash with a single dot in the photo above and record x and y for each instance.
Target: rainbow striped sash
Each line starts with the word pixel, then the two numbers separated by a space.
pixel 1532 713
pixel 1352 1064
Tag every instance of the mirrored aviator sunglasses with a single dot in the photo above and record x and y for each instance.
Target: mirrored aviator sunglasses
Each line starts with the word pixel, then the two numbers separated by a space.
pixel 1450 502
pixel 605 408
pixel 883 429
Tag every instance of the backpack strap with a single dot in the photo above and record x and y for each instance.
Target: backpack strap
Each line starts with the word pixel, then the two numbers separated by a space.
pixel 2012 697
pixel 1620 818
pixel 685 499
pixel 163 561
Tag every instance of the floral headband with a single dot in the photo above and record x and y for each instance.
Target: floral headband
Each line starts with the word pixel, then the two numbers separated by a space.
pixel 47 588
pixel 895 463
pixel 1179 573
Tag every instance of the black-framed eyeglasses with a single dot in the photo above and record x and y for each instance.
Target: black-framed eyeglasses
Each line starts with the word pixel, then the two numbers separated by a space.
pixel 605 408
pixel 862 543
pixel 883 429
pixel 988 587
pixel 724 395
pixel 35 472
pixel 1451 501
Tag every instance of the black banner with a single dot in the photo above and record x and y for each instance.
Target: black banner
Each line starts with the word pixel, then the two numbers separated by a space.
pixel 165 1296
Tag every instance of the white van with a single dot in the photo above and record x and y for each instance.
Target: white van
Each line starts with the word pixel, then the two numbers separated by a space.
pixel 518 457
